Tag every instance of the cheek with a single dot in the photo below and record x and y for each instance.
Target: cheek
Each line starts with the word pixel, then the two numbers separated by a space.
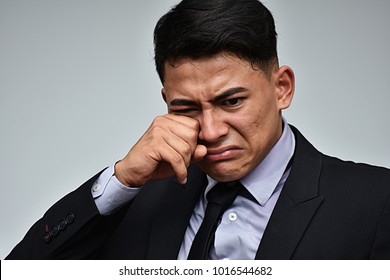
pixel 256 128
pixel 248 129
pixel 256 122
pixel 255 135
pixel 252 120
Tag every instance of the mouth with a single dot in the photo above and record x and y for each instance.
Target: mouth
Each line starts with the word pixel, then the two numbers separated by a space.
pixel 222 153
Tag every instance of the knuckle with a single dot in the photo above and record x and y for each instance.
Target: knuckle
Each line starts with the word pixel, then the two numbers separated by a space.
pixel 177 159
pixel 194 134
pixel 158 121
pixel 186 149
pixel 195 123
pixel 157 129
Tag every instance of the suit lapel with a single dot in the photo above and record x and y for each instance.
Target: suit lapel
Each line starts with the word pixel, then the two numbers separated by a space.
pixel 170 224
pixel 296 206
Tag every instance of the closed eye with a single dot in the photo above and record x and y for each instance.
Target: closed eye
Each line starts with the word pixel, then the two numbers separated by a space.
pixel 186 111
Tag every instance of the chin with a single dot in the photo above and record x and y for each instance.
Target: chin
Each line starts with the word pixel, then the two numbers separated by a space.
pixel 223 172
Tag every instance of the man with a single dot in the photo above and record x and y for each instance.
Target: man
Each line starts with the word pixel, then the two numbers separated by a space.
pixel 225 93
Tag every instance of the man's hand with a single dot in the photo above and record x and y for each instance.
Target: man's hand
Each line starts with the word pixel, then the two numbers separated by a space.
pixel 167 148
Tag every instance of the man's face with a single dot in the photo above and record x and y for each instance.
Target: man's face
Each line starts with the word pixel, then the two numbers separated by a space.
pixel 237 106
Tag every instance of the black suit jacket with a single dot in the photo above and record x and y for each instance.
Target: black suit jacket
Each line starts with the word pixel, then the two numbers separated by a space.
pixel 328 209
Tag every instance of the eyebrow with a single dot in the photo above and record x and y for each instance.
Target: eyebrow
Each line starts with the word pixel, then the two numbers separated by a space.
pixel 226 94
pixel 182 102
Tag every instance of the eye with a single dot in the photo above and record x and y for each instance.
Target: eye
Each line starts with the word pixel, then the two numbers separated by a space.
pixel 232 102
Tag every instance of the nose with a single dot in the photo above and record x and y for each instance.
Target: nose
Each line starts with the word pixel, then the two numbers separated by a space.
pixel 212 127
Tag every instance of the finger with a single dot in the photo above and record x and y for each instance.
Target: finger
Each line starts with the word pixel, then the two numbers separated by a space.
pixel 188 132
pixel 180 146
pixel 176 161
pixel 187 121
pixel 184 127
pixel 200 152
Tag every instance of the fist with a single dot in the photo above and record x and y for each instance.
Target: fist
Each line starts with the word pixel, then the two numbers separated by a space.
pixel 167 148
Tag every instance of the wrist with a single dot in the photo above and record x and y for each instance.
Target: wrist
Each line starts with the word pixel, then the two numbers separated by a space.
pixel 120 174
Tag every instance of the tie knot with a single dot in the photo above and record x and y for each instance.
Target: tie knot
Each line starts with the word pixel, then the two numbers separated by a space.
pixel 223 194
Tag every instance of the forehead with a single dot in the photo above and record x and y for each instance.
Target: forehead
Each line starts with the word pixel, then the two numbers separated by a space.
pixel 209 75
pixel 216 64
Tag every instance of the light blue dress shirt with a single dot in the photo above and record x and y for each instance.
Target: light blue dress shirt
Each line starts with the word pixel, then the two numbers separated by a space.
pixel 242 225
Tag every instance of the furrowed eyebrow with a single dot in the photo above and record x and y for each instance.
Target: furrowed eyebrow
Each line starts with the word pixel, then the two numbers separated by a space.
pixel 226 94
pixel 222 96
pixel 182 102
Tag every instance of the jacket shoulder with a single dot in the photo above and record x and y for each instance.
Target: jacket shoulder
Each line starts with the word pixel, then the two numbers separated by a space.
pixel 361 173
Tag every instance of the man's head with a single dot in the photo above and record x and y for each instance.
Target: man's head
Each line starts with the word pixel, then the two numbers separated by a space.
pixel 198 29
pixel 218 64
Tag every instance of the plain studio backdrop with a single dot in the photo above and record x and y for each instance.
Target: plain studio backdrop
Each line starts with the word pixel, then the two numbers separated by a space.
pixel 78 88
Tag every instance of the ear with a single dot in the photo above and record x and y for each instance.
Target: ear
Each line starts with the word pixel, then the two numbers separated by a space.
pixel 285 86
pixel 164 96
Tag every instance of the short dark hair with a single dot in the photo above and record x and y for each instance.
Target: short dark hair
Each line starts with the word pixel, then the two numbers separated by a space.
pixel 203 28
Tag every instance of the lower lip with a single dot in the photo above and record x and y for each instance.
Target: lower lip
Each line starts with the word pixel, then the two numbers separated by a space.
pixel 225 155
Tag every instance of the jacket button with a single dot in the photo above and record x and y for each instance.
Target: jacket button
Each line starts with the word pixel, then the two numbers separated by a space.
pixel 62 225
pixel 54 231
pixel 70 218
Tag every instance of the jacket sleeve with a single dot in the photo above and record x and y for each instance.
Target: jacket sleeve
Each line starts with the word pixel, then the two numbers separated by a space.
pixel 381 244
pixel 71 229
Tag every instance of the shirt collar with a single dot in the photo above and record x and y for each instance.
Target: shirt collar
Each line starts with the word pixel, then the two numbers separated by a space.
pixel 262 181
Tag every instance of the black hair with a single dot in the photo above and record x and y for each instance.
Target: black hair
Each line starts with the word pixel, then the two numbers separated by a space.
pixel 203 28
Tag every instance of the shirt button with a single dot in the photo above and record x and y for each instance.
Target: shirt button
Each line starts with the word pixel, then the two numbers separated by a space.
pixel 96 187
pixel 232 217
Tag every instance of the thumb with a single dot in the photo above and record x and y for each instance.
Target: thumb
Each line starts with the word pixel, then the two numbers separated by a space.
pixel 199 153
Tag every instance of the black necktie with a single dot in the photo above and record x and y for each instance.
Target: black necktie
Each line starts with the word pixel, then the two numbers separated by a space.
pixel 219 199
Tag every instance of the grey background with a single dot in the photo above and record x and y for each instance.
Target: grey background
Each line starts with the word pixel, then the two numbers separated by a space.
pixel 78 88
